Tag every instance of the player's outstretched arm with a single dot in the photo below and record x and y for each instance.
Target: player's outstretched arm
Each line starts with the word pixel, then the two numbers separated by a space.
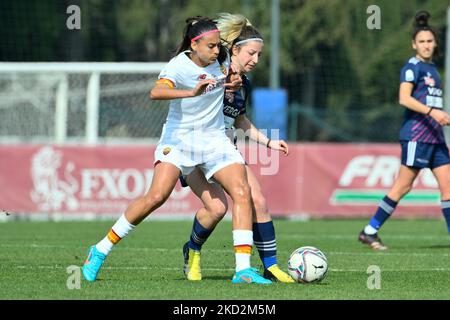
pixel 242 122
pixel 163 91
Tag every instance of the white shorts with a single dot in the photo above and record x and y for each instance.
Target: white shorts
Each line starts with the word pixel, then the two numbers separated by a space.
pixel 187 149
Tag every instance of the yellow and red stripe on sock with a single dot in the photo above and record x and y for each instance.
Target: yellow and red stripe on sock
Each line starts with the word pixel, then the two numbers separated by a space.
pixel 113 237
pixel 243 248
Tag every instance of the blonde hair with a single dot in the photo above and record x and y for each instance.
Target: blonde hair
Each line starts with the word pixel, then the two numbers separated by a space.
pixel 231 27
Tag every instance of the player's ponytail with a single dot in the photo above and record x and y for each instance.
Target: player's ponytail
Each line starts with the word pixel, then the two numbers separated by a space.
pixel 422 19
pixel 421 24
pixel 195 27
pixel 235 29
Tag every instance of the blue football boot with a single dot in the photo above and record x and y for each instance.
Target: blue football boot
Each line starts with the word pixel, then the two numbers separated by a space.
pixel 93 264
pixel 249 275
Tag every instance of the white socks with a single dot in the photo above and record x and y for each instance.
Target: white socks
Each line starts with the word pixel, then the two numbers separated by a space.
pixel 370 230
pixel 243 242
pixel 119 230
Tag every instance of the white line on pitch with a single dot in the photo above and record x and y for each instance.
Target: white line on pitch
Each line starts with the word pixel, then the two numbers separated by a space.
pixel 352 237
pixel 124 268
pixel 230 250
pixel 229 269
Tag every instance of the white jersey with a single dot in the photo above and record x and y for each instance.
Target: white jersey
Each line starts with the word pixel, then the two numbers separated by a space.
pixel 203 112
pixel 194 133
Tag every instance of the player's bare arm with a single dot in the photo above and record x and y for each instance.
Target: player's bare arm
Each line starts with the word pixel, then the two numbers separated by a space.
pixel 165 92
pixel 242 122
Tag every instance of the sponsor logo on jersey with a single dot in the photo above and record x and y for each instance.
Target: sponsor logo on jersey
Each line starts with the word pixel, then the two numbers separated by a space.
pixel 231 111
pixel 220 81
pixel 429 81
pixel 202 77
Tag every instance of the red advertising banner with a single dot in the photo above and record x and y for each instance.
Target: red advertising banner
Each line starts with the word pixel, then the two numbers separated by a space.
pixel 348 180
pixel 80 180
pixel 319 180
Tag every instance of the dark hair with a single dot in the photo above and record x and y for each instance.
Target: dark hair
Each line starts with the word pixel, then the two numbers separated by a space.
pixel 196 26
pixel 421 24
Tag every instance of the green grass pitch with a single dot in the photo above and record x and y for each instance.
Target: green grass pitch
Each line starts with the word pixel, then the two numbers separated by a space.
pixel 34 257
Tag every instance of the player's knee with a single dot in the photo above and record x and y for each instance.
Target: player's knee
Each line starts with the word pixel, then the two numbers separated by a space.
pixel 155 199
pixel 260 204
pixel 241 193
pixel 217 209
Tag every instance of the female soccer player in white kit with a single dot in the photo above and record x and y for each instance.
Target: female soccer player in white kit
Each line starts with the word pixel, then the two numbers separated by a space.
pixel 193 136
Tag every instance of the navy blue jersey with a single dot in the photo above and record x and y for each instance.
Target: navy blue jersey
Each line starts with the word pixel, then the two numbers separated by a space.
pixel 234 103
pixel 428 90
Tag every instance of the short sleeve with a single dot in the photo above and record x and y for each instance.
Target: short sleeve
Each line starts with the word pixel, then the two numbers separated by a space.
pixel 170 74
pixel 409 73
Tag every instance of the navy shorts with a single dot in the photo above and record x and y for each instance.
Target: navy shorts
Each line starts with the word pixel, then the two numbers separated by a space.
pixel 183 181
pixel 424 155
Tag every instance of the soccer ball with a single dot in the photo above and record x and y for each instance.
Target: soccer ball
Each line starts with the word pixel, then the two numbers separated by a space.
pixel 307 264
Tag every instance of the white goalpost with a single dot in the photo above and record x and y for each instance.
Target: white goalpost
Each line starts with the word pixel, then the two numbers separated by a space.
pixel 85 103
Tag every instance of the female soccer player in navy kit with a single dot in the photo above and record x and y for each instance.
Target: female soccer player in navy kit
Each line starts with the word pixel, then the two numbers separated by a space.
pixel 245 44
pixel 421 136
pixel 192 137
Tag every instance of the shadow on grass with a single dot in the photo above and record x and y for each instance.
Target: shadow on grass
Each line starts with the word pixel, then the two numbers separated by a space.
pixel 203 278
pixel 438 246
pixel 218 277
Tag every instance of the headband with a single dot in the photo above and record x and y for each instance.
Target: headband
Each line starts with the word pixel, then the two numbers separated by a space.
pixel 248 40
pixel 204 34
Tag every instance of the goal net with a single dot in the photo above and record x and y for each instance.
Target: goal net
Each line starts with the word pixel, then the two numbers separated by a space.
pixel 79 102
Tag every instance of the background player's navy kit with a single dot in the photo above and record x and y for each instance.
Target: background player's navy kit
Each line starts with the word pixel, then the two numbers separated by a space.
pixel 422 137
pixel 234 103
